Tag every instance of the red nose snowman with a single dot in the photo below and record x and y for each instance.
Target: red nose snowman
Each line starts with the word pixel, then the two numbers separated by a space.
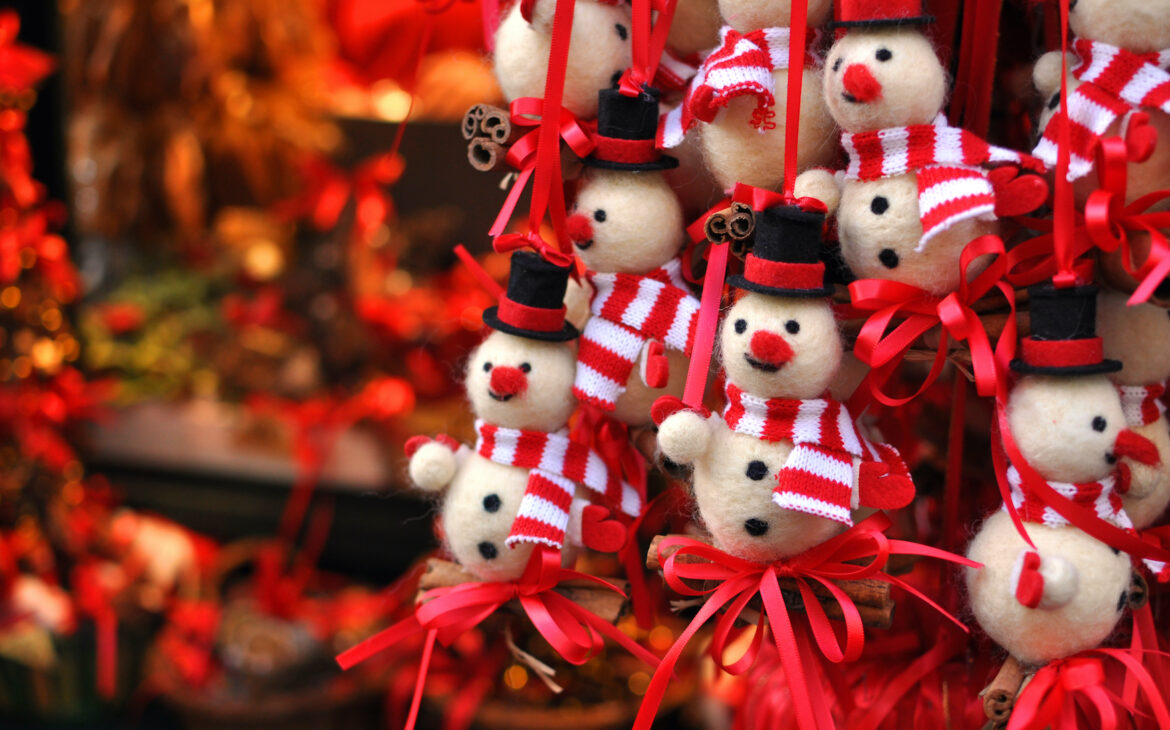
pixel 627 228
pixel 519 486
pixel 915 190
pixel 785 466
pixel 1067 421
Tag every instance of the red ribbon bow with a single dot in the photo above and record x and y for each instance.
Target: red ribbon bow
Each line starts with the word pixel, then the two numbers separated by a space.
pixel 574 632
pixel 526 112
pixel 331 188
pixel 1108 219
pixel 738 581
pixel 512 241
pixel 1054 696
pixel 922 311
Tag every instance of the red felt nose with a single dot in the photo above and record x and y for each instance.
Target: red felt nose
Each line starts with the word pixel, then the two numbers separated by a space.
pixel 508 381
pixel 861 84
pixel 579 227
pixel 770 348
pixel 1132 445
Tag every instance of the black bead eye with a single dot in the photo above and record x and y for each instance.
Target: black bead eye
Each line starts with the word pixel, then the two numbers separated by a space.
pixel 880 204
pixel 756 470
pixel 525 367
pixel 621 31
pixel 755 526
pixel 792 326
pixel 487 550
pixel 883 54
pixel 487 367
pixel 1099 424
pixel 837 65
pixel 1054 101
pixel 889 258
pixel 740 326
pixel 615 79
pixel 491 503
pixel 599 215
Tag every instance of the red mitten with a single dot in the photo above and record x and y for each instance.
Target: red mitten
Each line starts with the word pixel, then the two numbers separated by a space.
pixel 881 489
pixel 657 366
pixel 1140 137
pixel 1016 194
pixel 599 533
pixel 1030 588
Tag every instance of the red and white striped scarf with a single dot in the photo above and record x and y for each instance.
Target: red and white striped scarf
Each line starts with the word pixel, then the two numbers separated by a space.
pixel 817 478
pixel 742 65
pixel 628 310
pixel 1142 404
pixel 675 72
pixel 1101 496
pixel 556 465
pixel 951 185
pixel 1114 82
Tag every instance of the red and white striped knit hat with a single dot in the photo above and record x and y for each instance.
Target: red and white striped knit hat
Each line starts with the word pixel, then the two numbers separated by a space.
pixel 952 186
pixel 1114 83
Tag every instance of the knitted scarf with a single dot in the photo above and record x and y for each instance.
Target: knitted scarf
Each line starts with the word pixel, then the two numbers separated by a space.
pixel 628 310
pixel 951 185
pixel 556 465
pixel 1142 404
pixel 742 65
pixel 817 478
pixel 1102 496
pixel 1114 82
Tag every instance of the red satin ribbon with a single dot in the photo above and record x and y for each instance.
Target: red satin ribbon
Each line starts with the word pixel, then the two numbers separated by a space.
pixel 922 311
pixel 1108 219
pixel 796 56
pixel 513 241
pixel 523 154
pixel 97 601
pixel 574 632
pixel 1063 220
pixel 1050 699
pixel 738 581
pixel 648 43
pixel 1004 449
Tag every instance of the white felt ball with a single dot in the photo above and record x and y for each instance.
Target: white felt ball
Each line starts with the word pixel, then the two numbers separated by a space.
pixel 432 467
pixel 684 436
pixel 546 400
pixel 820 184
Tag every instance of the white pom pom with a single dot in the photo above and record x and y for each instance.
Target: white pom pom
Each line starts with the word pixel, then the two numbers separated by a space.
pixel 684 436
pixel 432 467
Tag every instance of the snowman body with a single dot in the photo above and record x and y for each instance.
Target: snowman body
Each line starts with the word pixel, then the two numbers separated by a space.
pixel 599 52
pixel 1066 427
pixel 631 222
pixel 478 512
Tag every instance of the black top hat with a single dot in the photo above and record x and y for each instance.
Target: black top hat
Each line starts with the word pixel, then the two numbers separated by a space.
pixel 877 13
pixel 626 130
pixel 1064 337
pixel 785 259
pixel 533 305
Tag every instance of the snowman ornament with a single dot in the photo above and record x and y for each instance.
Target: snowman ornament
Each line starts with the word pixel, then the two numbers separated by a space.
pixel 737 100
pixel 524 483
pixel 627 228
pixel 1139 336
pixel 1066 419
pixel 915 190
pixel 785 466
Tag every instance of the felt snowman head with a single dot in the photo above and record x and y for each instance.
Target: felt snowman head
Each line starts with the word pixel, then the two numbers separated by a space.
pixel 599 51
pixel 695 27
pixel 1141 27
pixel 626 218
pixel 883 72
pixel 780 339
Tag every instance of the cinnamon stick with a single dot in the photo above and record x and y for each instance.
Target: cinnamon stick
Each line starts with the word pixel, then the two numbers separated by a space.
pixel 1000 696
pixel 485 155
pixel 469 125
pixel 497 126
pixel 1139 592
pixel 872 597
pixel 734 223
pixel 607 604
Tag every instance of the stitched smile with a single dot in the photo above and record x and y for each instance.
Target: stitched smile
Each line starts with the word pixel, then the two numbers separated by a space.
pixel 583 245
pixel 500 398
pixel 767 367
pixel 849 97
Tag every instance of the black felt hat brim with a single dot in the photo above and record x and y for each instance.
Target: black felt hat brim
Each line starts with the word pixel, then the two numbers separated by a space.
pixel 882 22
pixel 491 319
pixel 665 162
pixel 1096 368
pixel 739 282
